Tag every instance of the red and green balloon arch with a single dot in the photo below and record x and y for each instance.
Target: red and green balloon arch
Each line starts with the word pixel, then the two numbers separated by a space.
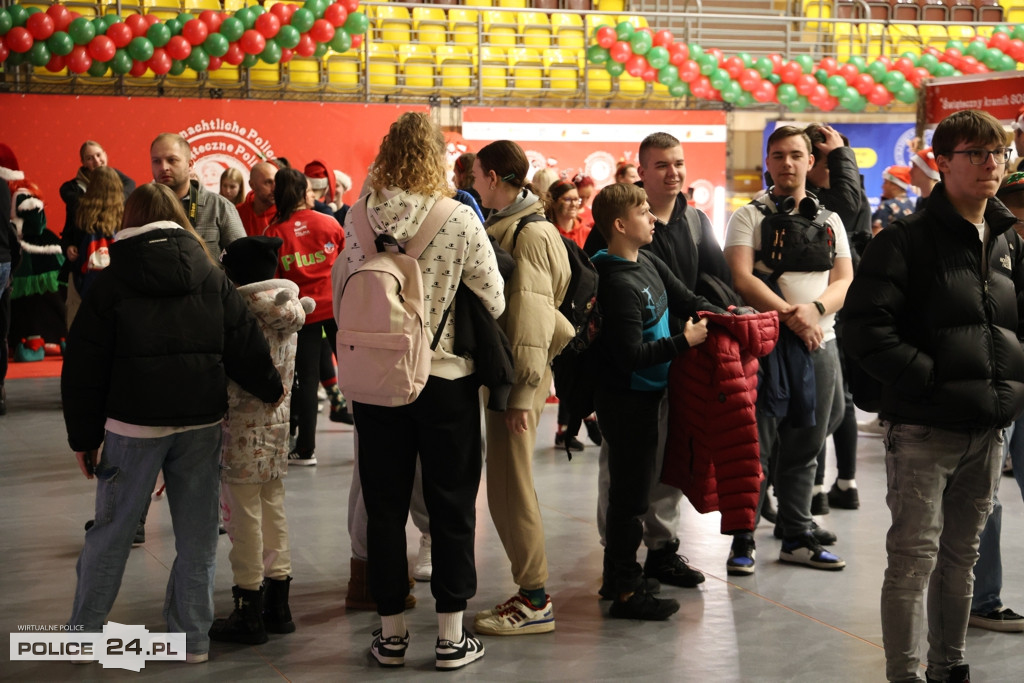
pixel 59 38
pixel 800 82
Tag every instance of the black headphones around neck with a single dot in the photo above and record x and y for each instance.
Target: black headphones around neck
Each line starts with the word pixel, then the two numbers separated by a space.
pixel 808 205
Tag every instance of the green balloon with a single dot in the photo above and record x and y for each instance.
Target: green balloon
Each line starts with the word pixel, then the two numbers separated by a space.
pixel 177 68
pixel 6 23
pixel 289 36
pixel 893 81
pixel 786 93
pixel 990 57
pixel 912 56
pixel 112 19
pixel 877 71
pixel 930 62
pixel 302 20
pixel 775 78
pixel 249 61
pixel 907 93
pixel 158 34
pixel 1018 32
pixel 257 10
pixel 744 100
pixel 720 78
pixel 198 60
pixel 640 42
pixel 1002 28
pixel 317 7
pixel 216 45
pixel 668 74
pixel 60 44
pixel 342 42
pixel 695 51
pixel 806 63
pixel 624 30
pixel 836 85
pixel 679 89
pixel 122 62
pixel 98 69
pixel 39 54
pixel 859 62
pixel 19 15
pixel 595 53
pixel 822 76
pixel 614 68
pixel 16 58
pixel 99 25
pixel 944 69
pixel 731 91
pixel 976 49
pixel 708 65
pixel 798 105
pixel 248 18
pixel 746 59
pixel 1006 63
pixel 174 26
pixel 232 29
pixel 356 23
pixel 320 50
pixel 955 45
pixel 857 104
pixel 81 30
pixel 185 17
pixel 271 53
pixel 140 48
pixel 764 67
pixel 657 57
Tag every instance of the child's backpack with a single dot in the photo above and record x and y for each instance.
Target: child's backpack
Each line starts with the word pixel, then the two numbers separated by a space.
pixel 580 303
pixel 384 347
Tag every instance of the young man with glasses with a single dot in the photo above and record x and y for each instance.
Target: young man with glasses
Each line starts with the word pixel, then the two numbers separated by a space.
pixel 935 316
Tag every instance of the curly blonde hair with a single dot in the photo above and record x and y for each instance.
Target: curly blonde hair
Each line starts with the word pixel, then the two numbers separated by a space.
pixel 101 209
pixel 411 157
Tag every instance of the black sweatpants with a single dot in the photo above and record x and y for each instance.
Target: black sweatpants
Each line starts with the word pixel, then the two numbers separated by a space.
pixel 307 380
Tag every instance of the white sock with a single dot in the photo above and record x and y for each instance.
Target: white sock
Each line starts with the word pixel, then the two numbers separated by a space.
pixel 449 626
pixel 818 488
pixel 846 484
pixel 393 625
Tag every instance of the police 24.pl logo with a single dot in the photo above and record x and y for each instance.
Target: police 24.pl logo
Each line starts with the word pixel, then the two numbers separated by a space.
pixel 120 646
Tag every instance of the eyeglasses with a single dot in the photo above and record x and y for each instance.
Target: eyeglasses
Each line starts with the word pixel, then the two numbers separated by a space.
pixel 978 157
pixel 570 200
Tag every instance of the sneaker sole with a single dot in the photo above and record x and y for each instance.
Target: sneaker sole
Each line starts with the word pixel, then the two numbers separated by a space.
pixel 543 627
pixel 739 571
pixel 827 566
pixel 303 463
pixel 451 665
pixel 422 577
pixel 1016 626
pixel 388 662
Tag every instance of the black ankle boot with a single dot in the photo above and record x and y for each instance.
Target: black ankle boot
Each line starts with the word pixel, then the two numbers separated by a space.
pixel 245 625
pixel 277 616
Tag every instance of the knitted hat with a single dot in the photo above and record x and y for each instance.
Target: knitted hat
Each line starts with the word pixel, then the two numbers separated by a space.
pixel 252 259
pixel 898 175
pixel 925 160
pixel 9 169
pixel 343 181
pixel 1011 184
pixel 320 177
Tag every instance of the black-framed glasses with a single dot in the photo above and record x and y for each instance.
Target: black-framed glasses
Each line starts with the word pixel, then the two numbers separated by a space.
pixel 978 157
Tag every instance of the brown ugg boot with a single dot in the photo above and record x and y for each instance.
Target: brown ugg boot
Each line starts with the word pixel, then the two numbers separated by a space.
pixel 359 589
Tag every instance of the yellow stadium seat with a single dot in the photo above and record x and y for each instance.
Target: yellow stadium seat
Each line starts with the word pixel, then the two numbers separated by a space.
pixel 344 71
pixel 234 5
pixel 304 74
pixel 477 3
pixel 514 4
pixel 500 28
pixel 197 6
pixel 381 68
pixel 226 76
pixel 598 84
pixel 430 25
pixel 463 27
pixel 494 70
pixel 455 68
pixel 265 76
pixel 933 35
pixel 417 64
pixel 526 71
pixel 609 5
pixel 631 87
pixel 562 68
pixel 535 29
pixel 567 28
pixel 393 24
pixel 904 38
pixel 1014 15
pixel 164 10
pixel 635 19
pixel 187 78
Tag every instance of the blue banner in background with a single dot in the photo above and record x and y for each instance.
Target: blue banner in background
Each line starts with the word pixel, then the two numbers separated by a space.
pixel 877 145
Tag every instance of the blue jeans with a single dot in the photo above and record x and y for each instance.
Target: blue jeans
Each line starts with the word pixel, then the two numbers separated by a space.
pixel 126 476
pixel 940 487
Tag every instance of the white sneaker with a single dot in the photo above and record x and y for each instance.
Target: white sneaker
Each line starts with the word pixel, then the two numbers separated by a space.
pixel 449 655
pixel 197 658
pixel 516 616
pixel 424 567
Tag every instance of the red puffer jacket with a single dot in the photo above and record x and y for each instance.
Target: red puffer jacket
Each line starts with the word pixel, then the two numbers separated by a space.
pixel 712 453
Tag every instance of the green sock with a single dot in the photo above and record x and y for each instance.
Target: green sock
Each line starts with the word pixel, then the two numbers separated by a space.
pixel 537 597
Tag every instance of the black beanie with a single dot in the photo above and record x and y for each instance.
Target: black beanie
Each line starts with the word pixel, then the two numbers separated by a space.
pixel 252 259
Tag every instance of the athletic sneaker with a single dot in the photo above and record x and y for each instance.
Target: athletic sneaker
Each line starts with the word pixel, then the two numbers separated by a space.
pixel 822 536
pixel 307 460
pixel 848 499
pixel 449 655
pixel 389 652
pixel 667 566
pixel 805 549
pixel 516 616
pixel 197 658
pixel 652 586
pixel 1003 619
pixel 741 557
pixel 570 442
pixel 643 605
pixel 424 566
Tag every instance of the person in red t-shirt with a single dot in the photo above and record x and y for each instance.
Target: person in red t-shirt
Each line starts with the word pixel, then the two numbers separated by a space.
pixel 258 209
pixel 312 242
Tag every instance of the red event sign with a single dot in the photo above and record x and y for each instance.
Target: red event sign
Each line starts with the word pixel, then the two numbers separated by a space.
pixel 1000 94
pixel 46 131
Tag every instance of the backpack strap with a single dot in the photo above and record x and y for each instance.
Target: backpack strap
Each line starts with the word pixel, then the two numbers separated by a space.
pixel 438 215
pixel 523 222
pixel 693 221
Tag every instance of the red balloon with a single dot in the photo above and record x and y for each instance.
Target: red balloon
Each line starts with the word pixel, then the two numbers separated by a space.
pixel 19 39
pixel 215 63
pixel 253 42
pixel 307 46
pixel 716 53
pixel 733 66
pixel 829 64
pixel 606 36
pixel 335 14
pixel 195 31
pixel 138 69
pixel 820 92
pixel 663 38
pixel 161 62
pixel 150 19
pixel 904 66
pixel 349 5
pixel 137 24
pixel 321 31
pixel 57 63
pixel 280 10
pixel 286 55
pixel 700 87
pixel 776 60
pixel 765 92
pixel 864 84
pixel 999 40
pixel 790 72
pixel 849 72
pixel 689 70
pixel 1016 49
pixel 635 65
pixel 879 95
pixel 178 48
pixel 102 49
pixel 828 103
pixel 78 60
pixel 40 25
pixel 357 40
pixel 268 25
pixel 678 53
pixel 212 19
pixel 951 55
pixel 4 51
pixel 649 74
pixel 621 51
pixel 234 55
pixel 750 79
pixel 61 17
pixel 120 34
pixel 805 84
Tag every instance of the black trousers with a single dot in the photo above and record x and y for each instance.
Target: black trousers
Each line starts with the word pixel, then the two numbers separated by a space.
pixel 629 423
pixel 442 427
pixel 307 379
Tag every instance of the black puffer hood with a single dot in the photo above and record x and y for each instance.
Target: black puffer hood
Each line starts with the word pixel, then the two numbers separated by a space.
pixel 159 258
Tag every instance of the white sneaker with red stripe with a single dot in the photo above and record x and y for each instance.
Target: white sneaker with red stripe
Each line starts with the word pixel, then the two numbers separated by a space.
pixel 516 616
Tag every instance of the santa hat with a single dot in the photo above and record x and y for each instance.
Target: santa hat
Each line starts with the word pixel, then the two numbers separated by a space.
pixel 1018 123
pixel 343 181
pixel 925 160
pixel 320 177
pixel 252 259
pixel 1011 184
pixel 898 175
pixel 9 169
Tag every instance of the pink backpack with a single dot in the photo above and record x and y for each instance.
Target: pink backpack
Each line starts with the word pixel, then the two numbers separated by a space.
pixel 384 347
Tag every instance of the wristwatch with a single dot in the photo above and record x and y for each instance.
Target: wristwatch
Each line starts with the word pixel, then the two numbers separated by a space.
pixel 820 306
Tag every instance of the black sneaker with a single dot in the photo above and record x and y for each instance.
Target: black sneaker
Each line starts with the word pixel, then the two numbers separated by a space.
pixel 650 585
pixel 643 605
pixel 570 442
pixel 1003 619
pixel 668 567
pixel 593 431
pixel 822 536
pixel 389 652
pixel 804 549
pixel 819 504
pixel 741 556
pixel 302 460
pixel 140 535
pixel 449 655
pixel 961 673
pixel 339 412
pixel 844 500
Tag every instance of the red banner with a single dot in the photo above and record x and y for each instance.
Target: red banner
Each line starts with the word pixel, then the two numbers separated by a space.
pixel 46 132
pixel 1000 94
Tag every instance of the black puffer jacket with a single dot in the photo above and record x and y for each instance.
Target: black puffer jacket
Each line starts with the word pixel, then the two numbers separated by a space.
pixel 922 319
pixel 158 334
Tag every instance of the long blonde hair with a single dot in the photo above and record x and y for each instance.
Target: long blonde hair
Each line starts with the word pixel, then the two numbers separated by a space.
pixel 101 209
pixel 155 202
pixel 411 157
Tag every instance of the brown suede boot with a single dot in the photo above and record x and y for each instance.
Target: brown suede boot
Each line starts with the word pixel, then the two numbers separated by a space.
pixel 359 597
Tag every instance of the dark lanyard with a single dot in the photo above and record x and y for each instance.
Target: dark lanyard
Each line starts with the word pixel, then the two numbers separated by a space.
pixel 193 203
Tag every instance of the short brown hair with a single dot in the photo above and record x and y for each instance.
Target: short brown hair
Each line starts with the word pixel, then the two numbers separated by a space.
pixel 612 202
pixel 656 141
pixel 968 125
pixel 783 132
